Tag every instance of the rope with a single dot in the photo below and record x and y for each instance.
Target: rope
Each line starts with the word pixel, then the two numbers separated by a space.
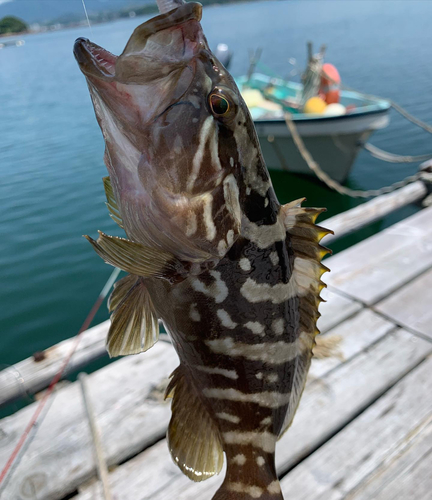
pixel 324 177
pixel 97 443
pixel 393 158
pixel 411 118
pixel 15 457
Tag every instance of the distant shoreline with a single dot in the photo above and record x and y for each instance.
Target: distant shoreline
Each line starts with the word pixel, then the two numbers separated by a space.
pixel 54 26
pixel 71 21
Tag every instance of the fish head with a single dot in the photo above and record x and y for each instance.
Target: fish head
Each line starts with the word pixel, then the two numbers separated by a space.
pixel 177 135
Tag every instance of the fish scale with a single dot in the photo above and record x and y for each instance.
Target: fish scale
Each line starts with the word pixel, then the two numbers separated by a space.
pixel 234 276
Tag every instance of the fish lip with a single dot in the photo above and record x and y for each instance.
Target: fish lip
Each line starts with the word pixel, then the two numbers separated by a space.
pixel 94 60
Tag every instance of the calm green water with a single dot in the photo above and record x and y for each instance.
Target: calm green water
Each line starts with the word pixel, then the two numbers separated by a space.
pixel 51 148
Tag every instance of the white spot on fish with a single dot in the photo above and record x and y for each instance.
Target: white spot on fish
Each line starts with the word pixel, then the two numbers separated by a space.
pixel 222 248
pixel 264 440
pixel 248 191
pixel 208 217
pixel 274 257
pixel 274 353
pixel 231 195
pixel 272 378
pixel 252 491
pixel 260 461
pixel 206 129
pixel 266 399
pixel 239 459
pixel 274 487
pixel 232 374
pixel 194 120
pixel 216 290
pixel 305 278
pixel 266 202
pixel 225 319
pixel 228 417
pixel 191 226
pixel 231 161
pixel 278 326
pixel 266 421
pixel 194 315
pixel 255 327
pixel 245 264
pixel 266 235
pixel 230 237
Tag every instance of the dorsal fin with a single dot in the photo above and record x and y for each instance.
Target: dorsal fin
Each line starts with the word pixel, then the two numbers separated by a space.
pixel 137 259
pixel 193 438
pixel 134 324
pixel 111 202
pixel 305 238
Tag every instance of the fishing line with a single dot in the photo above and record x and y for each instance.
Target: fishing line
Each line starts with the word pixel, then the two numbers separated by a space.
pixel 15 457
pixel 88 20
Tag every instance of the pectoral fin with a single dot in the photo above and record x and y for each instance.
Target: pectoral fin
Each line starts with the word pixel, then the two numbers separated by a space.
pixel 134 324
pixel 193 438
pixel 137 259
pixel 111 202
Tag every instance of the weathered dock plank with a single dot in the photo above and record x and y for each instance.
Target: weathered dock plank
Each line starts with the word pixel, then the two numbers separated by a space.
pixel 402 475
pixel 376 267
pixel 127 400
pixel 379 435
pixel 336 309
pixel 30 376
pixel 354 335
pixel 411 305
pixel 373 210
pixel 327 405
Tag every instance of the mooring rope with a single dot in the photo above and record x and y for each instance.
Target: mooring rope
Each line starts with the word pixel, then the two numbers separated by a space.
pixel 324 177
pixel 394 158
pixel 32 426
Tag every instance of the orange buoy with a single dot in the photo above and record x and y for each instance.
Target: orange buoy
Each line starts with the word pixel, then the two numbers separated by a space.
pixel 330 84
pixel 314 105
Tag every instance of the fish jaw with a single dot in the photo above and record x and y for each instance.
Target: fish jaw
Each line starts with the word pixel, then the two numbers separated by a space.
pixel 152 72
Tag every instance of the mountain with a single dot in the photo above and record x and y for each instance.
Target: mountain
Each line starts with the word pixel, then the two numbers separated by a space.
pixel 42 11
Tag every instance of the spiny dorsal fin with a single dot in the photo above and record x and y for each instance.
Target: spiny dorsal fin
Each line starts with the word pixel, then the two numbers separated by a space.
pixel 137 259
pixel 304 237
pixel 111 202
pixel 134 324
pixel 193 438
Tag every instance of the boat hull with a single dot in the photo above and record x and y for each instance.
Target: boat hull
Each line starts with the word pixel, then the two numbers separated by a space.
pixel 333 142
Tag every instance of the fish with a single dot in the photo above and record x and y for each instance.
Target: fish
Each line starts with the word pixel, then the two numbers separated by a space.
pixel 233 275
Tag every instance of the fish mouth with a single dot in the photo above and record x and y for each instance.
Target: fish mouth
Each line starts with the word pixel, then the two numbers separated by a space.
pixel 97 62
pixel 94 60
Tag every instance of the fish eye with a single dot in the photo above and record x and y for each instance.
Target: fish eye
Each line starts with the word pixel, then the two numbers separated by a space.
pixel 219 105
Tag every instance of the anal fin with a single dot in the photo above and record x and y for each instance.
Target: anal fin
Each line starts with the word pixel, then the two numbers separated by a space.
pixel 134 324
pixel 193 438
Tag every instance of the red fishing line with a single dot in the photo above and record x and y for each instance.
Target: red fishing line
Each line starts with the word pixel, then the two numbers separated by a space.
pixel 57 377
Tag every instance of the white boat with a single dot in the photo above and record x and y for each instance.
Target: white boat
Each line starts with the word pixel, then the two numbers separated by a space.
pixel 333 141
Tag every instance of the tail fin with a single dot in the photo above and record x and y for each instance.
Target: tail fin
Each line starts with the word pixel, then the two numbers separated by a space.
pixel 240 491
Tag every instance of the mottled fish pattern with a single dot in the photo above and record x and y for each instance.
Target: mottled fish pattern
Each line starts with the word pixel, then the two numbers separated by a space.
pixel 234 276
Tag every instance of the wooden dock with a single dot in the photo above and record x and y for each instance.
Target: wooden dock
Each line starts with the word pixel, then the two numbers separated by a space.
pixel 363 430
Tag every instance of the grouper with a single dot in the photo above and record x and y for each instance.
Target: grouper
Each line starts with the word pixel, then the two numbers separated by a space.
pixel 233 276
